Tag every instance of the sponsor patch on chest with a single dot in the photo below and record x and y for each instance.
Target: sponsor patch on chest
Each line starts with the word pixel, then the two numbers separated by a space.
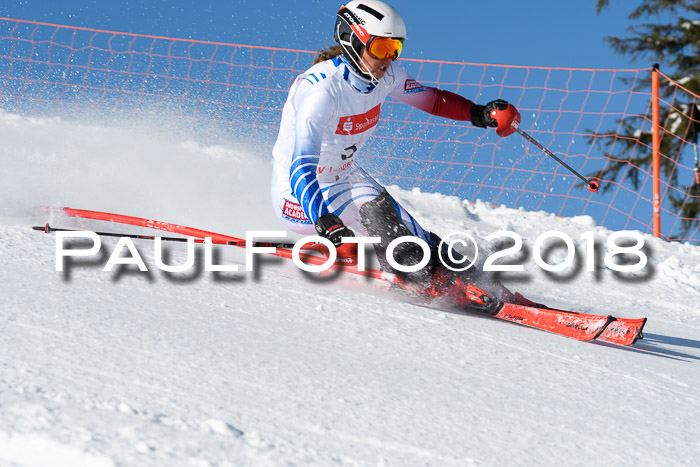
pixel 354 124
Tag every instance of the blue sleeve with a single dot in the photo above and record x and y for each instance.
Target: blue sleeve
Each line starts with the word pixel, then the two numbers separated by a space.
pixel 314 114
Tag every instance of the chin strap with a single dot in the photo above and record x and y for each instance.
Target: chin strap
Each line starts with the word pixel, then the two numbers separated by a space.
pixel 367 79
pixel 373 79
pixel 356 68
pixel 376 81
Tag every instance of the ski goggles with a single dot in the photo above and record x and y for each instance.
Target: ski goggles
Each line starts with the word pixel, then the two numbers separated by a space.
pixel 382 48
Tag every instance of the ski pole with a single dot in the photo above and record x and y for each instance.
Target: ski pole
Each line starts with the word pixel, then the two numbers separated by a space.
pixel 48 229
pixel 592 184
pixel 284 249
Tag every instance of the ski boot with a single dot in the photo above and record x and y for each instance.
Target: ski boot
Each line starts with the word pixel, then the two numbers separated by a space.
pixel 518 299
pixel 445 283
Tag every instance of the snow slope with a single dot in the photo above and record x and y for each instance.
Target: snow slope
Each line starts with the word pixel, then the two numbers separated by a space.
pixel 276 368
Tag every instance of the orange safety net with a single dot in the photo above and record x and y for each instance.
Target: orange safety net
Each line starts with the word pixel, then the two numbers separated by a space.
pixel 598 121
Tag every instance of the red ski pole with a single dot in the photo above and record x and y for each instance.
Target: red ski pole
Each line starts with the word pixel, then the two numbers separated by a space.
pixel 48 229
pixel 592 184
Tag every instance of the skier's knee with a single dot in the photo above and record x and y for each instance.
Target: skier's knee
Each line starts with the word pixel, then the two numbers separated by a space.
pixel 381 219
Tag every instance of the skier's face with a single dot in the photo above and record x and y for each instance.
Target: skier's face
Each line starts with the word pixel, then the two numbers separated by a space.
pixel 376 66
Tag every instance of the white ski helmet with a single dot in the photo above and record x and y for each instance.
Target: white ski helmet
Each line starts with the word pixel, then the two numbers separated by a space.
pixel 361 22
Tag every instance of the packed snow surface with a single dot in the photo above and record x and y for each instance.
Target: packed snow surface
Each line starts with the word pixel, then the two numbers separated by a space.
pixel 274 367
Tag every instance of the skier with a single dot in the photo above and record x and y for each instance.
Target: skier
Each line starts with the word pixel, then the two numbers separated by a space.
pixel 331 111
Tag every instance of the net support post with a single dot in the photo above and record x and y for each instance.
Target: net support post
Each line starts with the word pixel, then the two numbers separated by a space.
pixel 656 141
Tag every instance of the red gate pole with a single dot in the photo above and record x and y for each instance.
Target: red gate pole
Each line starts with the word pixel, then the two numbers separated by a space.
pixel 655 140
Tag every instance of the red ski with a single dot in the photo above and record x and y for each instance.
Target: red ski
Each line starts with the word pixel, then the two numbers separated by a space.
pixel 581 326
pixel 623 331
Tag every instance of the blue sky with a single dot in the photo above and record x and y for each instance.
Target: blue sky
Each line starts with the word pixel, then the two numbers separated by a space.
pixel 549 33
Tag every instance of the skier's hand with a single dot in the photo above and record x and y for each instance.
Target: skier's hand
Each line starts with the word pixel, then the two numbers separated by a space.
pixel 331 227
pixel 497 114
pixel 481 114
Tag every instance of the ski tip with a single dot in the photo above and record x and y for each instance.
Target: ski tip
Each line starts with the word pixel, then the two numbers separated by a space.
pixel 624 331
pixel 639 333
